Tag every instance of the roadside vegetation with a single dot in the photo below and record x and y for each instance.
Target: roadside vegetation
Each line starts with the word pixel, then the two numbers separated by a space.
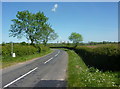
pixel 92 65
pixel 105 57
pixel 81 75
pixel 24 52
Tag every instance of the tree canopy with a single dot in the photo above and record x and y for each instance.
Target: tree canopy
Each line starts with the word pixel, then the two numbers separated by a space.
pixel 47 33
pixel 31 26
pixel 75 38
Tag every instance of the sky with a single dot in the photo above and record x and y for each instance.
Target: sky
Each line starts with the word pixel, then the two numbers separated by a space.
pixel 0 22
pixel 60 0
pixel 95 21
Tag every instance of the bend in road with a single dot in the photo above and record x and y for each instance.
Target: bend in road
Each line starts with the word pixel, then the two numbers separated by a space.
pixel 48 71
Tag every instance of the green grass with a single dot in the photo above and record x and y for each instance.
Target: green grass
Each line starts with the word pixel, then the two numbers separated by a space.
pixel 79 75
pixel 8 61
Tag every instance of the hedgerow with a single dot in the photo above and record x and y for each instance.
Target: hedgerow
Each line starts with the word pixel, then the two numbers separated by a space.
pixel 80 75
pixel 21 50
pixel 104 57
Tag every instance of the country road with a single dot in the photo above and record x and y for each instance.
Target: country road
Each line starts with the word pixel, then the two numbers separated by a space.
pixel 47 71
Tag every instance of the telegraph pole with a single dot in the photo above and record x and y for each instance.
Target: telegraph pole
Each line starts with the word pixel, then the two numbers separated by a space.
pixel 13 54
pixel 12 48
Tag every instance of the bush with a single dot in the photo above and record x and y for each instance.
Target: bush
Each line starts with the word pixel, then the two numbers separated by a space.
pixel 44 48
pixel 24 43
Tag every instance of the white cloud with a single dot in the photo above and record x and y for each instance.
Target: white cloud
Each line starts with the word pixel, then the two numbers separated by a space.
pixel 55 7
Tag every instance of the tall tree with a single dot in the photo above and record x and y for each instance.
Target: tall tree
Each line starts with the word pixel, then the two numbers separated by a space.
pixel 76 38
pixel 47 33
pixel 28 25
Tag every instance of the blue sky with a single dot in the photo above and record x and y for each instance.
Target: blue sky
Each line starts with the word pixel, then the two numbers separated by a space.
pixel 96 21
pixel 0 22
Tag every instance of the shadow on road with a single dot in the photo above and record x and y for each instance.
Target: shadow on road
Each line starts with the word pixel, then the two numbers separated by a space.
pixel 51 83
pixel 45 84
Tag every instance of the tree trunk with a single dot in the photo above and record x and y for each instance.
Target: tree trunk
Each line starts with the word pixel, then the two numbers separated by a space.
pixel 32 42
pixel 45 43
pixel 75 45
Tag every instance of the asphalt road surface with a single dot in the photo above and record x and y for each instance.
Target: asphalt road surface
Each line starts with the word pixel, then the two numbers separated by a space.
pixel 47 71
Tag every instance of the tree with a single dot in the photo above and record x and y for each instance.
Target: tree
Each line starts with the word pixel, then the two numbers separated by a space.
pixel 28 25
pixel 76 38
pixel 47 33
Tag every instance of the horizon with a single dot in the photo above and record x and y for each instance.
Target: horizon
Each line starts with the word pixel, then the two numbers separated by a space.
pixel 59 42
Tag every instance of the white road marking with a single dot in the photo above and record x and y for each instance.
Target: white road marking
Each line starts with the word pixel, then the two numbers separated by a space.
pixel 52 58
pixel 58 52
pixel 20 78
pixel 56 55
pixel 48 60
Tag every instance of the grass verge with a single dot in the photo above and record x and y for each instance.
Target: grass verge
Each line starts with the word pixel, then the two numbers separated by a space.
pixel 79 75
pixel 8 61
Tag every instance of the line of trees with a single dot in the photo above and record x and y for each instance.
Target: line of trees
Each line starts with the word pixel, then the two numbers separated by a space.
pixel 104 42
pixel 33 26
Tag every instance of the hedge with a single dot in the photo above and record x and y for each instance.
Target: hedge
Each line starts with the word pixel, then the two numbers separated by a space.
pixel 103 58
pixel 22 50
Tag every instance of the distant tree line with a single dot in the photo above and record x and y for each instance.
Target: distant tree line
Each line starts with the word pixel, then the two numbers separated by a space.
pixel 89 43
pixel 104 42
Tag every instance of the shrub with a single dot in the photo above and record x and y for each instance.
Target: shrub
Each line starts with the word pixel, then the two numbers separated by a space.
pixel 24 43
pixel 44 48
